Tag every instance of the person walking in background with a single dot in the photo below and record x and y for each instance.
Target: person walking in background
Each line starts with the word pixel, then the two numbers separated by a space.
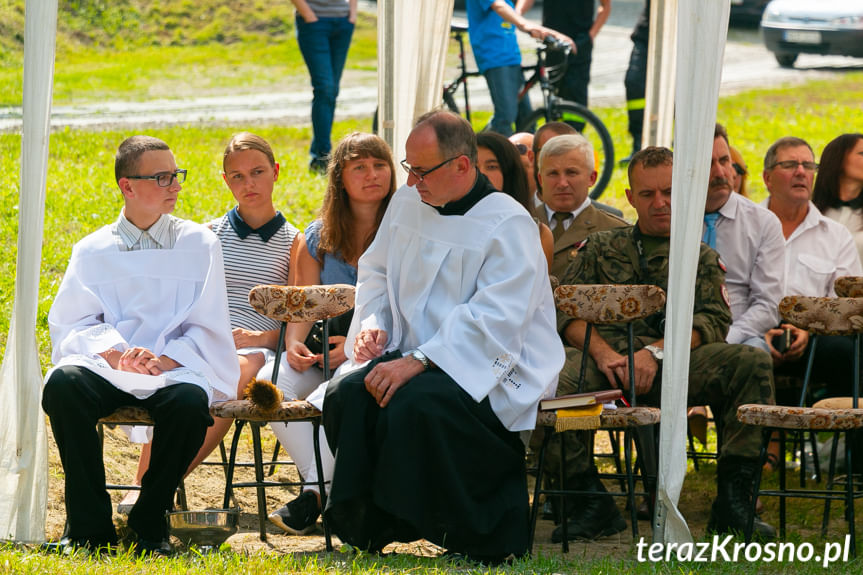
pixel 491 27
pixel 324 31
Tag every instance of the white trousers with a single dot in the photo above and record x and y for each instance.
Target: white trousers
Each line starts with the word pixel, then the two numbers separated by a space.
pixel 297 437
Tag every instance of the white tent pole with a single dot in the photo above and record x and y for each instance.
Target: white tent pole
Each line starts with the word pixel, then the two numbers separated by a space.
pixel 661 74
pixel 23 444
pixel 412 42
pixel 702 27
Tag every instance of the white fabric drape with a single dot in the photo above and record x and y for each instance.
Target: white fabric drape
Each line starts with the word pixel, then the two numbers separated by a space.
pixel 23 443
pixel 702 26
pixel 661 74
pixel 412 43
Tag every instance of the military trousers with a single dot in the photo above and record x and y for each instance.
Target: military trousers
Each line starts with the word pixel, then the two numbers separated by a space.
pixel 723 376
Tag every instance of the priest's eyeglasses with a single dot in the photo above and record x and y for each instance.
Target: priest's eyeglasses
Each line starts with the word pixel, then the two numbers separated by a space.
pixel 791 165
pixel 163 179
pixel 420 176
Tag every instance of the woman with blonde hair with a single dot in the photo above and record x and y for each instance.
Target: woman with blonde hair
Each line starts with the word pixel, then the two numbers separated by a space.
pixel 361 183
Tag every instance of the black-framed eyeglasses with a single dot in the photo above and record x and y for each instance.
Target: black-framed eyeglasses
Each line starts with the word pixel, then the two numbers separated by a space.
pixel 163 179
pixel 522 149
pixel 420 176
pixel 741 171
pixel 792 165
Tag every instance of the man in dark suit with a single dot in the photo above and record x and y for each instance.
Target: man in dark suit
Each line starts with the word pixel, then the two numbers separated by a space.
pixel 566 172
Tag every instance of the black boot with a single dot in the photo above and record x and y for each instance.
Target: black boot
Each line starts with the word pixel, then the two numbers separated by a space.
pixel 573 503
pixel 597 516
pixel 735 478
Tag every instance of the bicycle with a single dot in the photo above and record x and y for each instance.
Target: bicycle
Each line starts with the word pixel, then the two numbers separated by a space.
pixel 554 108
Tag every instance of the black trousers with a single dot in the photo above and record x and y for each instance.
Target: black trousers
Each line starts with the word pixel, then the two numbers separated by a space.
pixel 74 399
pixel 432 464
pixel 635 83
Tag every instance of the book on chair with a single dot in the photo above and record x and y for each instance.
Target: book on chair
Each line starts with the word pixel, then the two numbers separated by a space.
pixel 580 399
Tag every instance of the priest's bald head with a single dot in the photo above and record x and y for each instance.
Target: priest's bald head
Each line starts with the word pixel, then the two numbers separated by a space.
pixel 440 157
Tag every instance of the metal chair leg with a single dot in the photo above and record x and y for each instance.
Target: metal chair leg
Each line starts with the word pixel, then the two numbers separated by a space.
pixel 316 441
pixel 259 479
pixel 831 473
pixel 537 489
pixel 756 487
pixel 232 460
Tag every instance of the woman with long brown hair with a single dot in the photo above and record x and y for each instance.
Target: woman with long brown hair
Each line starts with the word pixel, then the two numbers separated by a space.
pixel 361 183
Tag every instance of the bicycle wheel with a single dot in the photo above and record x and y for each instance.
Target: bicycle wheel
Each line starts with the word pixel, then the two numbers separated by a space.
pixel 593 129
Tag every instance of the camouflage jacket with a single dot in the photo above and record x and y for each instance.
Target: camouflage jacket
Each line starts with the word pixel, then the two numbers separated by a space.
pixel 612 257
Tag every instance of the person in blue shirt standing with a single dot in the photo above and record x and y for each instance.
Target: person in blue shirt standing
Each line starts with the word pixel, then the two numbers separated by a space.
pixel 491 27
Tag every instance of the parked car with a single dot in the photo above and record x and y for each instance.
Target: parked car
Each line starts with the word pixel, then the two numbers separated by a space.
pixel 794 27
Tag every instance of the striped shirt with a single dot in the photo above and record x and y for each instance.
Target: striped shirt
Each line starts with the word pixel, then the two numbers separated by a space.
pixel 162 235
pixel 253 257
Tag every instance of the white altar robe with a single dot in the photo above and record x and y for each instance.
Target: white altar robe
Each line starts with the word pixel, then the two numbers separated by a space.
pixel 472 292
pixel 172 302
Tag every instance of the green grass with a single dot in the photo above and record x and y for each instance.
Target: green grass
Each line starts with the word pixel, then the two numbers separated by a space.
pixel 128 51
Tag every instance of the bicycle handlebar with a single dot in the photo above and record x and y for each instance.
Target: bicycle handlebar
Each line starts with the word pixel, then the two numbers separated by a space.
pixel 554 43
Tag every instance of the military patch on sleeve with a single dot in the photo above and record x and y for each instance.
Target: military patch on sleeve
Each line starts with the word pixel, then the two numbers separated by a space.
pixel 722 266
pixel 724 292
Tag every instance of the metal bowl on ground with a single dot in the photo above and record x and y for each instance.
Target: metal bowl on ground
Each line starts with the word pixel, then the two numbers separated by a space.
pixel 207 528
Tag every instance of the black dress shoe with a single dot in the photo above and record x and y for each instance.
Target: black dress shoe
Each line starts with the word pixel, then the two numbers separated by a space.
pixel 597 517
pixel 71 546
pixel 145 548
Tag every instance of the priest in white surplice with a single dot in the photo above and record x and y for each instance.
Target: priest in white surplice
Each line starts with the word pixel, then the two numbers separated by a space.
pixel 455 310
pixel 140 319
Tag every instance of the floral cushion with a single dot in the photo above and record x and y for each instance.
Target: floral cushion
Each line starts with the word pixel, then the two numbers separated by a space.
pixel 244 409
pixel 129 415
pixel 849 286
pixel 302 303
pixel 609 303
pixel 783 417
pixel 823 315
pixel 619 418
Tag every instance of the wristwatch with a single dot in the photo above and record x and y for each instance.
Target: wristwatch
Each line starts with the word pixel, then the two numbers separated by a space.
pixel 420 357
pixel 656 352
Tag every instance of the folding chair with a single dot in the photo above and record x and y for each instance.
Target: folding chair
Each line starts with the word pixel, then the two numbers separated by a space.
pixel 603 304
pixel 287 304
pixel 820 316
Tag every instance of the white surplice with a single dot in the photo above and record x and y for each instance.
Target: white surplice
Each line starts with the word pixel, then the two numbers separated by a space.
pixel 472 293
pixel 170 301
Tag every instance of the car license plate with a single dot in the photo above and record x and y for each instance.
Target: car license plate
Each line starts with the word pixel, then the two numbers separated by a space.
pixel 802 36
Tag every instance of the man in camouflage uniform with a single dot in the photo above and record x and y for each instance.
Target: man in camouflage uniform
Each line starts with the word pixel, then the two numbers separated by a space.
pixel 721 375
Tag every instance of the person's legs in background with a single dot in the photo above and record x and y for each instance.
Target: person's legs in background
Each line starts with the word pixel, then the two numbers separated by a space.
pixel 635 82
pixel 504 84
pixel 324 45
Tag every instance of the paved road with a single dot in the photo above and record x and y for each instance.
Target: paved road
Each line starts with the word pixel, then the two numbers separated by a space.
pixel 747 64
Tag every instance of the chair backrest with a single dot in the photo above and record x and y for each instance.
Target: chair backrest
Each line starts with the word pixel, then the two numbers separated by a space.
pixel 849 286
pixel 607 304
pixel 823 315
pixel 302 303
pixel 604 304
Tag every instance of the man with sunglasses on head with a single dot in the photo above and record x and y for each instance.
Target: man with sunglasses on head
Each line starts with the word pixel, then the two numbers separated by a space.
pixel 140 320
pixel 817 251
pixel 455 315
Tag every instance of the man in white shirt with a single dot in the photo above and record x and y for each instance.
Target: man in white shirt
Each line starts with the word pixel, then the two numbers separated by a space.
pixel 566 173
pixel 140 319
pixel 817 251
pixel 455 312
pixel 749 240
